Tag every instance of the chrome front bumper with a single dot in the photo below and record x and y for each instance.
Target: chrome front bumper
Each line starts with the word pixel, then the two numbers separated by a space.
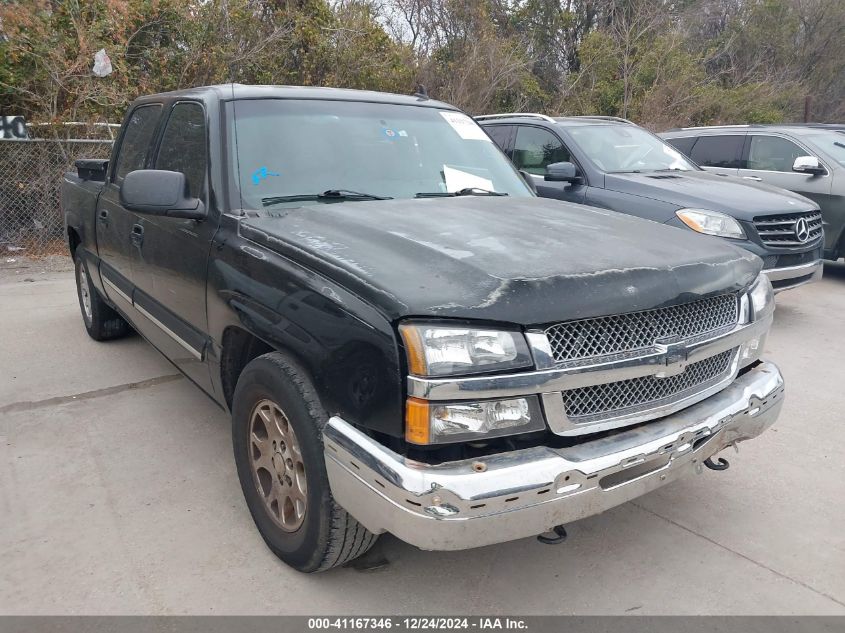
pixel 794 276
pixel 471 503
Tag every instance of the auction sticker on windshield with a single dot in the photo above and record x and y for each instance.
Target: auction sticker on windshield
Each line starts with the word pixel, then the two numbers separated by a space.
pixel 465 126
pixel 457 179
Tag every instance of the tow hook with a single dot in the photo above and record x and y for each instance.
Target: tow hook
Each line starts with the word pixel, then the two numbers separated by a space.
pixel 555 536
pixel 722 464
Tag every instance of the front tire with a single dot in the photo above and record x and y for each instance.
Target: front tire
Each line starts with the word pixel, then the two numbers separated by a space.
pixel 101 321
pixel 277 424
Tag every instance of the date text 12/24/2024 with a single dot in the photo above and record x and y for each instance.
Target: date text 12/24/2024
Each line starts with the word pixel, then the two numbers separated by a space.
pixel 416 623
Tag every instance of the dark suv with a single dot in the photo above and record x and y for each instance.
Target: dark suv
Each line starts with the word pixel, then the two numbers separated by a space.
pixel 808 159
pixel 611 163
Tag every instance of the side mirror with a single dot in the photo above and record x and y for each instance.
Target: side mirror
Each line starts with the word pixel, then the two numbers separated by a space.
pixel 92 169
pixel 529 180
pixel 808 165
pixel 159 192
pixel 561 172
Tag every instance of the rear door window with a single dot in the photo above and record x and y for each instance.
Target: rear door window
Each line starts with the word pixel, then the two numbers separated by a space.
pixel 718 151
pixel 772 153
pixel 183 146
pixel 683 144
pixel 536 148
pixel 501 135
pixel 136 140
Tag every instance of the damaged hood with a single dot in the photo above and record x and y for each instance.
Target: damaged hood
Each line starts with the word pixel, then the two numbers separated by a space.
pixel 742 199
pixel 517 260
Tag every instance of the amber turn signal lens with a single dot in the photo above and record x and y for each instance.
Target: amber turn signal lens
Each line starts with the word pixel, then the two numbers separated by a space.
pixel 417 421
pixel 690 222
pixel 414 349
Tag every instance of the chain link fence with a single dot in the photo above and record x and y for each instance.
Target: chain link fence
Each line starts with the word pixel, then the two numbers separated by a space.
pixel 31 230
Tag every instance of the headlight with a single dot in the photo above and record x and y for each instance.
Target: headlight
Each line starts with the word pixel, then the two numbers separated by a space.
pixel 439 350
pixel 762 297
pixel 439 423
pixel 762 303
pixel 711 223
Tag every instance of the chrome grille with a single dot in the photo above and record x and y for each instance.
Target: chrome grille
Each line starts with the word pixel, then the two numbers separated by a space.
pixel 779 230
pixel 623 333
pixel 599 402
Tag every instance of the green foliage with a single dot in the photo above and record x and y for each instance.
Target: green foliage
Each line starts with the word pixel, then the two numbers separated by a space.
pixel 660 62
pixel 47 50
pixel 598 87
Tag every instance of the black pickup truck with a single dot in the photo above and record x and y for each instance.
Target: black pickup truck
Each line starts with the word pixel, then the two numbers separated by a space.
pixel 408 339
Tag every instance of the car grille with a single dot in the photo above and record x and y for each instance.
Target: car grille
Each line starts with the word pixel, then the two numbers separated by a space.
pixel 779 230
pixel 621 333
pixel 600 402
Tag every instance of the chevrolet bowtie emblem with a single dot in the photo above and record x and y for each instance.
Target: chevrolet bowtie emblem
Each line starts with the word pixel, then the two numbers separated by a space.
pixel 674 355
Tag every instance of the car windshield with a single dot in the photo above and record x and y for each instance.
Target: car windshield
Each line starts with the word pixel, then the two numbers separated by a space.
pixel 625 148
pixel 320 152
pixel 832 144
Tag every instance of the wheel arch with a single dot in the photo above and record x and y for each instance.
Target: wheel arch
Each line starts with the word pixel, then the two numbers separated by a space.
pixel 347 380
pixel 73 240
pixel 839 249
pixel 239 348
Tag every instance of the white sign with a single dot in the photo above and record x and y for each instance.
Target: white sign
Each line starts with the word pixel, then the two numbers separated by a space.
pixel 457 180
pixel 13 127
pixel 465 126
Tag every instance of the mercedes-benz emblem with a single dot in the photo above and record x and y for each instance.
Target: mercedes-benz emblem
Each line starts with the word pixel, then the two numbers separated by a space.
pixel 802 230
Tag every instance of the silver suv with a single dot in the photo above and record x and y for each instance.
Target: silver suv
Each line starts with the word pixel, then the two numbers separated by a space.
pixel 808 159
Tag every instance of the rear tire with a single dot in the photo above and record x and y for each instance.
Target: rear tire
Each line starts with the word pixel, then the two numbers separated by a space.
pixel 277 424
pixel 101 321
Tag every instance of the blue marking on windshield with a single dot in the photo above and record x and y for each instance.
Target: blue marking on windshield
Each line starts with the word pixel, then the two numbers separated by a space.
pixel 261 174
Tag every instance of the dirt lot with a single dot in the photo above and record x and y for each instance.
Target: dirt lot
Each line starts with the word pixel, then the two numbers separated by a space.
pixel 118 495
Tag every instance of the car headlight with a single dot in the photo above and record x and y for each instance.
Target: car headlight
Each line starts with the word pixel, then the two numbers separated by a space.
pixel 711 223
pixel 761 301
pixel 762 298
pixel 445 350
pixel 439 423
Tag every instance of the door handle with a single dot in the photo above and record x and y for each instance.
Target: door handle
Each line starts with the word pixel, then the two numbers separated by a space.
pixel 754 178
pixel 137 235
pixel 103 217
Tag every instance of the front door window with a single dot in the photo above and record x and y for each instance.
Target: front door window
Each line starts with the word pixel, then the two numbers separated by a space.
pixel 772 153
pixel 536 148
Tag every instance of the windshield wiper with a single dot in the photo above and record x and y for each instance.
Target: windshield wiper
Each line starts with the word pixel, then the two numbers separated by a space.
pixel 329 195
pixel 467 191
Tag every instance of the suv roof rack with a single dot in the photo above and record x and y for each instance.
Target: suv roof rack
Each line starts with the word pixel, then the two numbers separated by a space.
pixel 602 117
pixel 733 126
pixel 829 126
pixel 508 115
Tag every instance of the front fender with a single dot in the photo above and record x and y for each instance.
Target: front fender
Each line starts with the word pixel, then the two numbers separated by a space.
pixel 349 348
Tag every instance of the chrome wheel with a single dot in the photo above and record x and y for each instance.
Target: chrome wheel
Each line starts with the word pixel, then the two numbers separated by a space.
pixel 277 468
pixel 84 291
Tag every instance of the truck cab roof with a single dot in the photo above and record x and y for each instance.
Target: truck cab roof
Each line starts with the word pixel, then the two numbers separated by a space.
pixel 232 91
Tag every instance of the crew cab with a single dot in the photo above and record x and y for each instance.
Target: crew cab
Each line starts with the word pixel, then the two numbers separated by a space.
pixel 408 339
pixel 611 163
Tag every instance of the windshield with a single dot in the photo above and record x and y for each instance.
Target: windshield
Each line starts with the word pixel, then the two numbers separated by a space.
pixel 356 151
pixel 625 148
pixel 832 144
